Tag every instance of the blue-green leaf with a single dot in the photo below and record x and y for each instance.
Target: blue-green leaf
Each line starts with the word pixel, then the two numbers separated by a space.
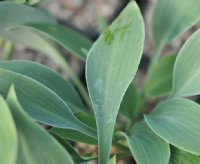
pixel 41 103
pixel 130 105
pixel 76 43
pixel 36 146
pixel 8 135
pixel 159 79
pixel 171 17
pixel 179 156
pixel 111 64
pixel 49 78
pixel 146 146
pixel 177 121
pixel 186 74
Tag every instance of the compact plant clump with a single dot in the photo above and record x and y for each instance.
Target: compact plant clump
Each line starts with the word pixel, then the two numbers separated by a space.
pixel 30 92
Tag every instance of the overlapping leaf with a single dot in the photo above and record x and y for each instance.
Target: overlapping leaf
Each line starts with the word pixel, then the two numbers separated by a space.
pixel 49 78
pixel 8 135
pixel 41 103
pixel 111 64
pixel 131 103
pixel 172 17
pixel 177 121
pixel 15 15
pixel 35 146
pixel 68 38
pixel 146 146
pixel 75 155
pixel 179 156
pixel 186 74
pixel 159 79
pixel 74 135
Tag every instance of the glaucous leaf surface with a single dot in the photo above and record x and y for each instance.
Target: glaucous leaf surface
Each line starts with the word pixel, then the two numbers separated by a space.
pixel 131 102
pixel 186 74
pixel 74 154
pixel 73 41
pixel 172 17
pixel 111 64
pixel 158 81
pixel 73 135
pixel 38 29
pixel 41 103
pixel 87 119
pixel 8 135
pixel 35 146
pixel 177 121
pixel 179 156
pixel 49 78
pixel 146 147
pixel 13 15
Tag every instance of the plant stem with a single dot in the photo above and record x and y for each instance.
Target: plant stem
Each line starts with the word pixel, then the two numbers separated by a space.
pixel 7 50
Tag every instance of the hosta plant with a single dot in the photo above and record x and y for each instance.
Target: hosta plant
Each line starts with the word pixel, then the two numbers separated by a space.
pixel 42 115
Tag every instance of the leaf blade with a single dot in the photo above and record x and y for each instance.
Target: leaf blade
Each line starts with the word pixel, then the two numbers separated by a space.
pixel 146 147
pixel 180 123
pixel 8 135
pixel 47 77
pixel 41 103
pixel 158 81
pixel 123 34
pixel 186 70
pixel 179 156
pixel 76 43
pixel 176 18
pixel 35 144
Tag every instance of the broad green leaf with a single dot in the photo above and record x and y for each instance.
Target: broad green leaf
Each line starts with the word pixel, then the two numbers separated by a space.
pixel 112 160
pixel 111 64
pixel 72 40
pixel 87 119
pixel 41 103
pixel 13 15
pixel 130 104
pixel 146 147
pixel 8 135
pixel 186 74
pixel 75 155
pixel 35 28
pixel 159 79
pixel 177 121
pixel 36 146
pixel 179 156
pixel 73 135
pixel 172 17
pixel 49 78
